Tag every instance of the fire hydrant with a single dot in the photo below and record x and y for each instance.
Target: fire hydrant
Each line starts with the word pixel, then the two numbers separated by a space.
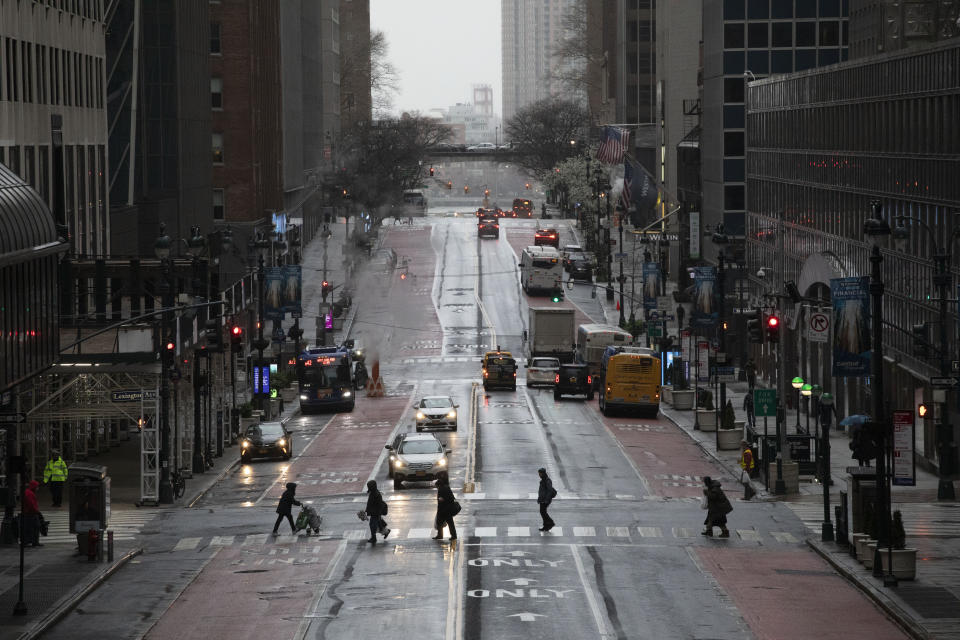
pixel 93 539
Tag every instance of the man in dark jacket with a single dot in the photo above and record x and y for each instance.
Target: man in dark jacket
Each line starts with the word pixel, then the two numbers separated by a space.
pixel 376 509
pixel 284 509
pixel 545 496
pixel 718 506
pixel 445 508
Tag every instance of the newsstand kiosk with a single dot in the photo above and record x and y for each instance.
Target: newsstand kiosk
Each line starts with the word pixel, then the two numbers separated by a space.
pixel 88 487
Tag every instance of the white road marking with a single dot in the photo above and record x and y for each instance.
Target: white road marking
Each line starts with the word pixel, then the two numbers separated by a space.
pixel 783 536
pixel 518 532
pixel 485 532
pixel 750 535
pixel 311 611
pixel 186 544
pixel 256 538
pixel 650 532
pixel 683 532
pixel 618 532
pixel 556 531
pixel 584 531
pixel 598 616
pixel 221 541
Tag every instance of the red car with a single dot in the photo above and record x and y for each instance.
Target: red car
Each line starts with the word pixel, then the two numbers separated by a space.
pixel 547 237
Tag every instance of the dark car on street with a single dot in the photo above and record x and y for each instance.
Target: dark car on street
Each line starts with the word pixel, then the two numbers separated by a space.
pixel 488 226
pixel 265 440
pixel 573 380
pixel 548 237
pixel 581 270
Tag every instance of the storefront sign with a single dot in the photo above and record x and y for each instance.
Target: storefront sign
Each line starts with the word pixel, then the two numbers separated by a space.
pixel 904 436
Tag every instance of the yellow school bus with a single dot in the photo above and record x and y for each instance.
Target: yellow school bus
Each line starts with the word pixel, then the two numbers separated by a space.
pixel 630 380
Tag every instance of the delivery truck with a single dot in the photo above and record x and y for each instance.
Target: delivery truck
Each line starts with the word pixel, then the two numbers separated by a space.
pixel 552 333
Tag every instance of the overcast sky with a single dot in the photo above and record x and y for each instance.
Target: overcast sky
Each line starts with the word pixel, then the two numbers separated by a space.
pixel 441 48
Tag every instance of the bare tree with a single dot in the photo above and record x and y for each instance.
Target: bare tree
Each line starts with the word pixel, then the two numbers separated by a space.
pixel 574 54
pixel 546 132
pixel 384 79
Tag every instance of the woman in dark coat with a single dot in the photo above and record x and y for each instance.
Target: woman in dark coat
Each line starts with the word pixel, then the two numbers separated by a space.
pixel 376 506
pixel 445 508
pixel 285 508
pixel 718 506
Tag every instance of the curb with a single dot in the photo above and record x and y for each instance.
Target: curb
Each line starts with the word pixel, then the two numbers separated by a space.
pixel 220 476
pixel 66 604
pixel 734 471
pixel 903 620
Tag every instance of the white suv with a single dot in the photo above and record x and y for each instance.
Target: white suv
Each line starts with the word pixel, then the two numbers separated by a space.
pixel 417 457
pixel 542 371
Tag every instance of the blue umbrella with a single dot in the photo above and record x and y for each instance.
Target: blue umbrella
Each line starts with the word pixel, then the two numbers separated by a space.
pixel 854 420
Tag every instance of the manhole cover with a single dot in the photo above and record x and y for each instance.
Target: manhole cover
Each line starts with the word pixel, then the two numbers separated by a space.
pixel 930 602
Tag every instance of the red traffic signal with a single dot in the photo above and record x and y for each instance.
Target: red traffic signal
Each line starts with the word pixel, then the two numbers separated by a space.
pixel 773 322
pixel 773 329
pixel 431 172
pixel 170 346
pixel 237 331
pixel 324 284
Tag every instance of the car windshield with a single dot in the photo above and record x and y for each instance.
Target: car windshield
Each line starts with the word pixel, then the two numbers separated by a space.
pixel 436 403
pixel 264 430
pixel 545 363
pixel 488 221
pixel 421 446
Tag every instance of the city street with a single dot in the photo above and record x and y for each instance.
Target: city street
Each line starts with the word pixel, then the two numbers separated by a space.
pixel 625 560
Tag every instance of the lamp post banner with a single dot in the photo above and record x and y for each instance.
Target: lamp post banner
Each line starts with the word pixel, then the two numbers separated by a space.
pixel 706 304
pixel 651 285
pixel 904 438
pixel 292 289
pixel 273 293
pixel 851 322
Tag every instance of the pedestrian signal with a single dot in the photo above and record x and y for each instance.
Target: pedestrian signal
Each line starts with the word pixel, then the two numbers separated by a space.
pixel 922 410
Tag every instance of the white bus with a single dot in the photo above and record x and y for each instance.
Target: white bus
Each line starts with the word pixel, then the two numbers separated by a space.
pixel 593 339
pixel 541 271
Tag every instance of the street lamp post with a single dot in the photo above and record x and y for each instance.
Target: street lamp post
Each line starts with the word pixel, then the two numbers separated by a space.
pixel 622 278
pixel 876 228
pixel 262 246
pixel 797 383
pixel 826 409
pixel 806 391
pixel 162 250
pixel 195 246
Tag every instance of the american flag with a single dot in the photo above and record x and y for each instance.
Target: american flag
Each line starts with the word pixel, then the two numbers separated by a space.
pixel 638 186
pixel 613 145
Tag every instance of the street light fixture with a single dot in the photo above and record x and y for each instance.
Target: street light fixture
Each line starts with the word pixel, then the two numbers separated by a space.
pixel 806 391
pixel 196 246
pixel 876 229
pixel 161 248
pixel 797 383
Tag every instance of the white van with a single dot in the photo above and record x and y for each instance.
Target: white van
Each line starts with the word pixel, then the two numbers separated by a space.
pixel 541 270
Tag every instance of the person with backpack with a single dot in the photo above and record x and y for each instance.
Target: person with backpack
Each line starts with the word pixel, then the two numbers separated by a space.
pixel 717 506
pixel 285 508
pixel 748 407
pixel 447 507
pixel 545 496
pixel 376 509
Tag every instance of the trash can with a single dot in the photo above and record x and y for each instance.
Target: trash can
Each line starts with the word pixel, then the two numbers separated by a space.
pixel 88 492
pixel 862 489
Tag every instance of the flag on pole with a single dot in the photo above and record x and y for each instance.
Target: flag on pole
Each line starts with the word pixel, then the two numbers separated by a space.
pixel 639 187
pixel 613 145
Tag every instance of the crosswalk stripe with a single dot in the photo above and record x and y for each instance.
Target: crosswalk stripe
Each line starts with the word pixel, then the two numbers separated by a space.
pixel 356 534
pixel 221 541
pixel 683 532
pixel 618 532
pixel 750 535
pixel 474 496
pixel 186 544
pixel 485 532
pixel 783 536
pixel 584 531
pixel 518 532
pixel 419 533
pixel 255 538
pixel 650 532
pixel 556 531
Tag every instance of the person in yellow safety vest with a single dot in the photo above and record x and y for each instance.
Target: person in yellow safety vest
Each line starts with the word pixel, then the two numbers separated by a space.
pixel 55 473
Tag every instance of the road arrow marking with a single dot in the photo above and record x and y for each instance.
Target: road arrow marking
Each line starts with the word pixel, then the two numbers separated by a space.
pixel 520 582
pixel 526 616
pixel 518 553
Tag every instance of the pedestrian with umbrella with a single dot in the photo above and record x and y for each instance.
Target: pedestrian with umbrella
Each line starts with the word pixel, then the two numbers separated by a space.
pixel 862 446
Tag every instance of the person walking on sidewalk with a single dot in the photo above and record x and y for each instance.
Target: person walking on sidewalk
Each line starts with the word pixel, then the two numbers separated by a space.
pixel 718 506
pixel 545 496
pixel 30 526
pixel 55 473
pixel 376 509
pixel 748 407
pixel 285 508
pixel 447 507
pixel 751 370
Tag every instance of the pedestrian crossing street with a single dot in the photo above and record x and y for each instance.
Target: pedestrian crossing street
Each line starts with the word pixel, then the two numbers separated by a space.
pixel 923 519
pixel 124 524
pixel 480 534
pixel 407 495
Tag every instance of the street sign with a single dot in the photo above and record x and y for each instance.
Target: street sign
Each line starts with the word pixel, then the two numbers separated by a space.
pixel 665 303
pixel 725 373
pixel 944 382
pixel 654 331
pixel 764 402
pixel 13 418
pixel 819 329
pixel 620 255
pixel 133 395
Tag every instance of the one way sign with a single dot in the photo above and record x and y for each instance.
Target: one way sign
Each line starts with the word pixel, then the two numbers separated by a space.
pixel 764 402
pixel 13 418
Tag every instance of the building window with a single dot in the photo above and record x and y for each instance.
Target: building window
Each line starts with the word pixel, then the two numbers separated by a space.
pixel 782 34
pixel 829 34
pixel 216 93
pixel 215 38
pixel 733 10
pixel 733 142
pixel 758 9
pixel 218 148
pixel 806 34
pixel 733 197
pixel 733 35
pixel 733 90
pixel 218 204
pixel 757 35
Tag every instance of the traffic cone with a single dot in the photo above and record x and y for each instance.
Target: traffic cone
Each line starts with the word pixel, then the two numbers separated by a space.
pixel 375 383
pixel 618 305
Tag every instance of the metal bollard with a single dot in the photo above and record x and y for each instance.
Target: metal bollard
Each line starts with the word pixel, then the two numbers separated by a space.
pixel 100 546
pixel 110 546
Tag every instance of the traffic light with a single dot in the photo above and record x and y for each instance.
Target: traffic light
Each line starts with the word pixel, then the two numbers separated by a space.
pixel 773 329
pixel 754 330
pixel 449 184
pixel 921 340
pixel 431 172
pixel 527 185
pixel 486 192
pixel 325 289
pixel 169 346
pixel 236 338
pixel 466 189
pixel 922 410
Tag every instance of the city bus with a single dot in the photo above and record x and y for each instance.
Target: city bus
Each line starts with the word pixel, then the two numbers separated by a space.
pixel 630 380
pixel 325 379
pixel 593 340
pixel 414 202
pixel 541 271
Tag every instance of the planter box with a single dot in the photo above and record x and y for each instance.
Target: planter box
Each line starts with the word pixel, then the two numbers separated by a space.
pixel 729 439
pixel 863 550
pixel 289 394
pixel 666 395
pixel 854 537
pixel 904 563
pixel 707 419
pixel 683 399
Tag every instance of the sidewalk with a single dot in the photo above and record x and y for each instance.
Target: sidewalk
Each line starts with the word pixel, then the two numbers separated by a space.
pixel 928 607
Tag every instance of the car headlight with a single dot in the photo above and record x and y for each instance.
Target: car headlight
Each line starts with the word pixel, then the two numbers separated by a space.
pixel 442 462
pixel 346 394
pixel 399 463
pixel 452 414
pixel 245 444
pixel 420 415
pixel 282 442
pixel 303 397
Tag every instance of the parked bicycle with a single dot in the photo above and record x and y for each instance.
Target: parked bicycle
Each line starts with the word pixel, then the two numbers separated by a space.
pixel 179 484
